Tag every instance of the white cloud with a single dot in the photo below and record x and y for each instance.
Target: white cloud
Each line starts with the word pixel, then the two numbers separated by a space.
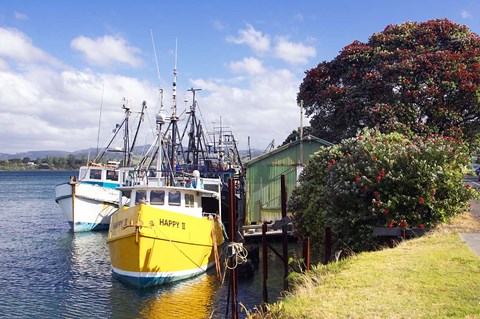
pixel 256 40
pixel 46 104
pixel 283 49
pixel 107 50
pixel 16 46
pixel 295 53
pixel 55 106
pixel 466 15
pixel 264 109
pixel 298 17
pixel 250 66
pixel 20 16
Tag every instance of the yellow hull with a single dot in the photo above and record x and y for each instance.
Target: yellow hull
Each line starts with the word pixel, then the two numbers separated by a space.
pixel 151 246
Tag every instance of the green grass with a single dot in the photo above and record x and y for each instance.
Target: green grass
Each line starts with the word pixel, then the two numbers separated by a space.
pixel 435 276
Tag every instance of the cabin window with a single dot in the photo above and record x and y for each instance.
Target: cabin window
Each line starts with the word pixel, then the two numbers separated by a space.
pixel 140 196
pixel 112 175
pixel 189 200
pixel 157 197
pixel 95 174
pixel 174 198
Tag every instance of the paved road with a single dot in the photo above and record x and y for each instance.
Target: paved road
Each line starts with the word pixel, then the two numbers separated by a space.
pixel 472 240
pixel 473 181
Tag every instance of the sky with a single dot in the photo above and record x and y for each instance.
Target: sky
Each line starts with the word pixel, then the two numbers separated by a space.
pixel 67 67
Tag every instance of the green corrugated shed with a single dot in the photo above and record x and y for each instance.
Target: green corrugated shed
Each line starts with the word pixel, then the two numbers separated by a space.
pixel 264 173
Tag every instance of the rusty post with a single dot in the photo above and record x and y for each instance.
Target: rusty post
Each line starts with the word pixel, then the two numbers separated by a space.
pixel 306 253
pixel 265 262
pixel 328 244
pixel 233 272
pixel 283 189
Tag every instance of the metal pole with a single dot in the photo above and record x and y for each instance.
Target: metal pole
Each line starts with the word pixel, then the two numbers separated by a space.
pixel 328 244
pixel 233 272
pixel 306 253
pixel 265 261
pixel 284 232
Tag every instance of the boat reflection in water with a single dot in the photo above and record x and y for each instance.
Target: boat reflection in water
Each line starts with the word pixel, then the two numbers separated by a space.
pixel 193 298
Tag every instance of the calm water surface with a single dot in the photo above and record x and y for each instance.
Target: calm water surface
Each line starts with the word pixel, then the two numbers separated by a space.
pixel 48 272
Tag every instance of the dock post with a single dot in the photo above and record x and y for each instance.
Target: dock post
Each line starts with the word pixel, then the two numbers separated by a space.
pixel 233 272
pixel 265 261
pixel 306 253
pixel 328 244
pixel 283 190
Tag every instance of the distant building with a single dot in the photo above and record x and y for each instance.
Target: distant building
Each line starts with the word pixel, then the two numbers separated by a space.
pixel 264 172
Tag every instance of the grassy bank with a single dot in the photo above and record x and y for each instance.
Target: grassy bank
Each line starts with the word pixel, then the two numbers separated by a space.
pixel 435 276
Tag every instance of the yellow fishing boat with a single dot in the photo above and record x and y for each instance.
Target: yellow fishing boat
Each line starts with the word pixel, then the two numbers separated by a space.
pixel 166 233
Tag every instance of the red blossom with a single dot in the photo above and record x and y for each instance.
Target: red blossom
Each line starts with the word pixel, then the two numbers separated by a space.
pixel 421 200
pixel 386 211
pixel 379 178
pixel 421 226
pixel 390 223
pixel 402 223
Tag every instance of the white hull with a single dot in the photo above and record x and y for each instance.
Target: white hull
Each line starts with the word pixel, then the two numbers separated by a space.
pixel 86 206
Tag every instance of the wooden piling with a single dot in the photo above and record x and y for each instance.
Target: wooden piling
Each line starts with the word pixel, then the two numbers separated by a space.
pixel 283 190
pixel 328 244
pixel 265 261
pixel 233 272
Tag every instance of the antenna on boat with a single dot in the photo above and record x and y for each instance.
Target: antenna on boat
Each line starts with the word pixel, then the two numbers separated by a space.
pixel 174 92
pixel 158 69
pixel 155 54
pixel 100 118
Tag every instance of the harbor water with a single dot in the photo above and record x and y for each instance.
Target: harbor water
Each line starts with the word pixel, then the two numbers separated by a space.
pixel 48 272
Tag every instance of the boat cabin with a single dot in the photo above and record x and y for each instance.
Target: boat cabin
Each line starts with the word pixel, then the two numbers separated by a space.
pixel 105 176
pixel 185 200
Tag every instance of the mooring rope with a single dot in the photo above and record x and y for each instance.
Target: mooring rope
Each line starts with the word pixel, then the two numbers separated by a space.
pixel 235 254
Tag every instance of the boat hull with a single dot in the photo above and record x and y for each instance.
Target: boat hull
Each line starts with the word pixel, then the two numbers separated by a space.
pixel 151 246
pixel 86 207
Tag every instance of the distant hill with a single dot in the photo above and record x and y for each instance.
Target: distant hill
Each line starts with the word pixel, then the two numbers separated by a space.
pixel 33 155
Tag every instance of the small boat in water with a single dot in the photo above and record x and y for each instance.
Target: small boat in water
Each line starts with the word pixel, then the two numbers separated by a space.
pixel 169 227
pixel 87 202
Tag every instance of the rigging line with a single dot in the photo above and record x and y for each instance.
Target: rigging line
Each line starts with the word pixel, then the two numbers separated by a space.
pixel 208 137
pixel 100 117
pixel 155 54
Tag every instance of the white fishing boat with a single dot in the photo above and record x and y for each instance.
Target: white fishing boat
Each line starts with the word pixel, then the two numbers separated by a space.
pixel 88 201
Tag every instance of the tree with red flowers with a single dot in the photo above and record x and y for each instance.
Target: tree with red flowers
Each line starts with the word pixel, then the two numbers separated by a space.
pixel 380 180
pixel 422 78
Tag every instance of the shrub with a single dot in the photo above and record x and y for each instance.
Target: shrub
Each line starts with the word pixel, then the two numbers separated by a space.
pixel 377 179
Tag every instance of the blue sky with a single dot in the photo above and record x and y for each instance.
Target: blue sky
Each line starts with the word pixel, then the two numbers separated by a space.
pixel 61 61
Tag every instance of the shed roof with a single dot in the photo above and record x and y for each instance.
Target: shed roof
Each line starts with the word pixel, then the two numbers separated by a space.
pixel 287 146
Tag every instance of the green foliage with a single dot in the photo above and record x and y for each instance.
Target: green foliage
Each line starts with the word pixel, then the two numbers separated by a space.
pixel 413 77
pixel 386 180
pixel 54 163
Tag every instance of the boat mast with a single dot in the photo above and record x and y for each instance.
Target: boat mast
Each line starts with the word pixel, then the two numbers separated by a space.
pixel 174 119
pixel 115 132
pixel 140 120
pixel 160 120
